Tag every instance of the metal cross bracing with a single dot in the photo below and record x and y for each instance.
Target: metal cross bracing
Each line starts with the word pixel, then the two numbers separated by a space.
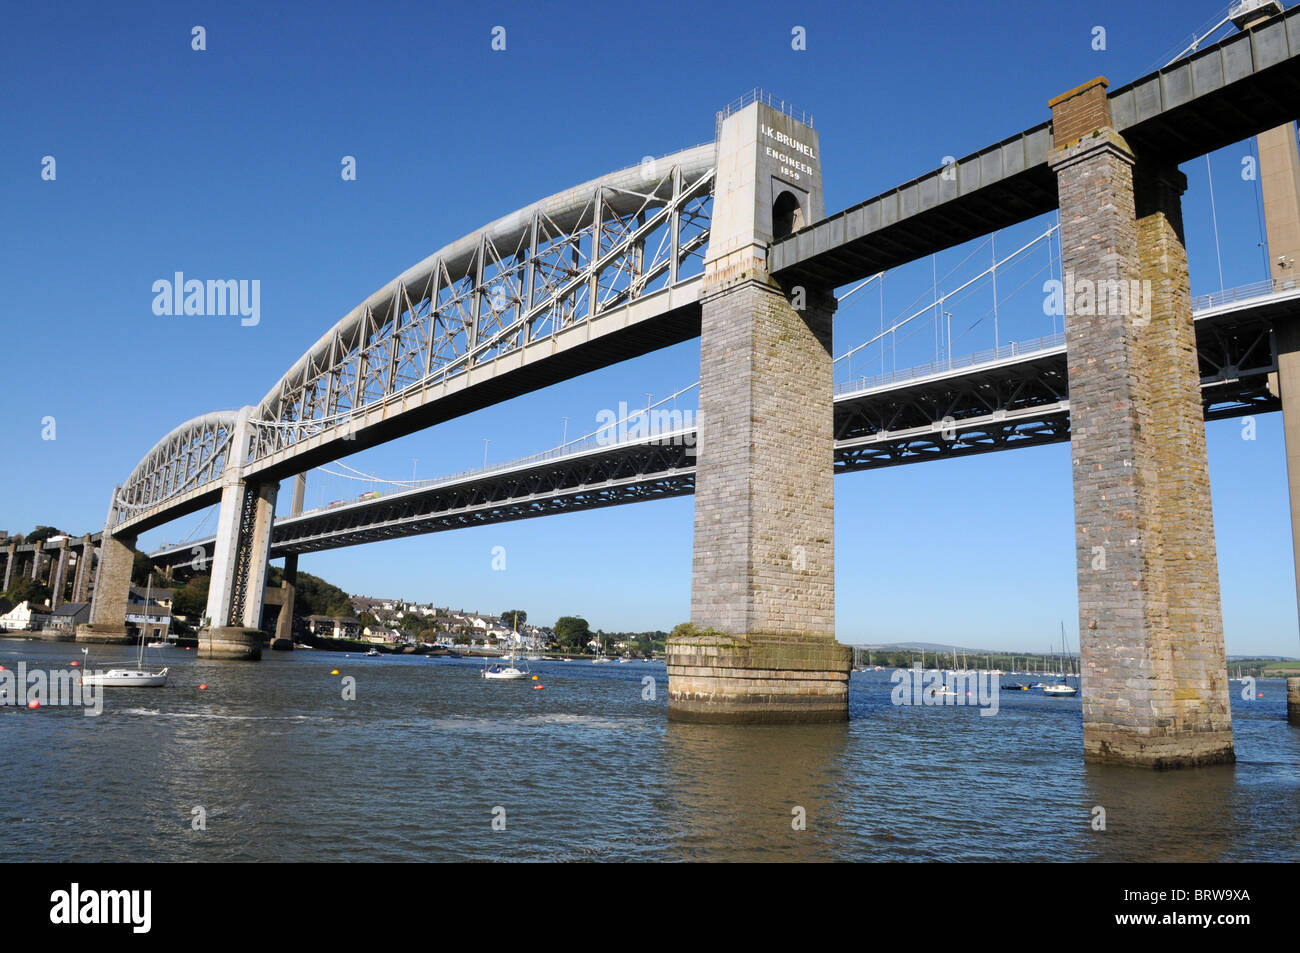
pixel 519 280
pixel 190 456
pixel 608 255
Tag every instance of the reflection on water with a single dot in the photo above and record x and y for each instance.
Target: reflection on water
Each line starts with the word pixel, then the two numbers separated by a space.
pixel 588 768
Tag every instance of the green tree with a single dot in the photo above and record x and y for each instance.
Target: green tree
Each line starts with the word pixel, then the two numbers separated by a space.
pixel 191 600
pixel 572 632
pixel 41 533
pixel 141 567
pixel 28 590
pixel 515 618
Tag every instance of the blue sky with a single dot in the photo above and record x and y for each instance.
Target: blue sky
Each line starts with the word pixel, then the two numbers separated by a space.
pixel 225 163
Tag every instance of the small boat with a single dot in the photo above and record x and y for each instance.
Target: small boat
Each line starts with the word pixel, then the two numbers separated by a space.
pixel 1059 688
pixel 508 672
pixel 505 673
pixel 125 677
pixel 374 653
pixel 159 645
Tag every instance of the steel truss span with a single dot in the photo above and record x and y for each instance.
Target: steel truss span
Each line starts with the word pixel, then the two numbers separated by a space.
pixel 524 289
pixel 191 456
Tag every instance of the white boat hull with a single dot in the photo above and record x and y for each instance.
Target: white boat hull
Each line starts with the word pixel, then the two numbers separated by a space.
pixel 506 675
pixel 125 678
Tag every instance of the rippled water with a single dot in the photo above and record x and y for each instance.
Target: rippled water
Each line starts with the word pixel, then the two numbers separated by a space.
pixel 587 769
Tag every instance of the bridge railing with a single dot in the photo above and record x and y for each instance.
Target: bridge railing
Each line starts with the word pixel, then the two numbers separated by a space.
pixel 1258 289
pixel 989 356
pixel 759 95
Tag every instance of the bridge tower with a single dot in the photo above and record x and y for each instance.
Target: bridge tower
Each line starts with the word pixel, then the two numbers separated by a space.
pixel 240 550
pixel 1155 687
pixel 763 586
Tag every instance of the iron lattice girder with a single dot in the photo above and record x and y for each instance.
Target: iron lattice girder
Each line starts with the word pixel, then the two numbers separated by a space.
pixel 190 456
pixel 499 290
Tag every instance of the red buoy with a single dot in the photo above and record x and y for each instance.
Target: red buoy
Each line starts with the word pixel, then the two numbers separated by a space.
pixel 538 688
pixel 203 687
pixel 33 704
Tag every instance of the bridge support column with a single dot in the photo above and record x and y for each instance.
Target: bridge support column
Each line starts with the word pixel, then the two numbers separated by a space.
pixel 60 576
pixel 112 585
pixel 283 640
pixel 82 576
pixel 11 562
pixel 763 586
pixel 1155 687
pixel 234 611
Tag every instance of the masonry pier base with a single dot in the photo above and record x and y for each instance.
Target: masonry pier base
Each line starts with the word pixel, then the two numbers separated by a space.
pixel 1293 701
pixel 230 642
pixel 758 679
pixel 108 634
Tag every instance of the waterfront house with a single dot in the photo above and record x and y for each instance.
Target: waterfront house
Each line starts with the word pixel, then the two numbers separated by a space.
pixel 25 618
pixel 68 616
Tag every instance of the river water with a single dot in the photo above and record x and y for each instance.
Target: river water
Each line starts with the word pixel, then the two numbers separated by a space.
pixel 279 766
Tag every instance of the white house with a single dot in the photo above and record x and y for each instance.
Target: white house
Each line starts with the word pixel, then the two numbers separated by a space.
pixel 24 618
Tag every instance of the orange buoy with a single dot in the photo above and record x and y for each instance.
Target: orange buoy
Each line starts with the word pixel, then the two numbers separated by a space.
pixel 1261 694
pixel 534 678
pixel 203 687
pixel 335 672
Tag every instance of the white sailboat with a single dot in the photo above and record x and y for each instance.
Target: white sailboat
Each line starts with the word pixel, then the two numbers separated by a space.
pixel 509 672
pixel 124 677
pixel 1060 688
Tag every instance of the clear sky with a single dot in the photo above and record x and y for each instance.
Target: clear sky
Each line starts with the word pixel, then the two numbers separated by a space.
pixel 226 163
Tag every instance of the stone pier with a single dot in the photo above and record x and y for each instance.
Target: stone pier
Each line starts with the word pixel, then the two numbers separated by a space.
pixel 83 574
pixel 234 612
pixel 60 584
pixel 112 585
pixel 763 586
pixel 1155 688
pixel 11 563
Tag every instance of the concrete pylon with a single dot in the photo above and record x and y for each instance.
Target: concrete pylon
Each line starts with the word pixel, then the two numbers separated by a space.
pixel 1155 686
pixel 283 640
pixel 234 611
pixel 112 584
pixel 763 586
